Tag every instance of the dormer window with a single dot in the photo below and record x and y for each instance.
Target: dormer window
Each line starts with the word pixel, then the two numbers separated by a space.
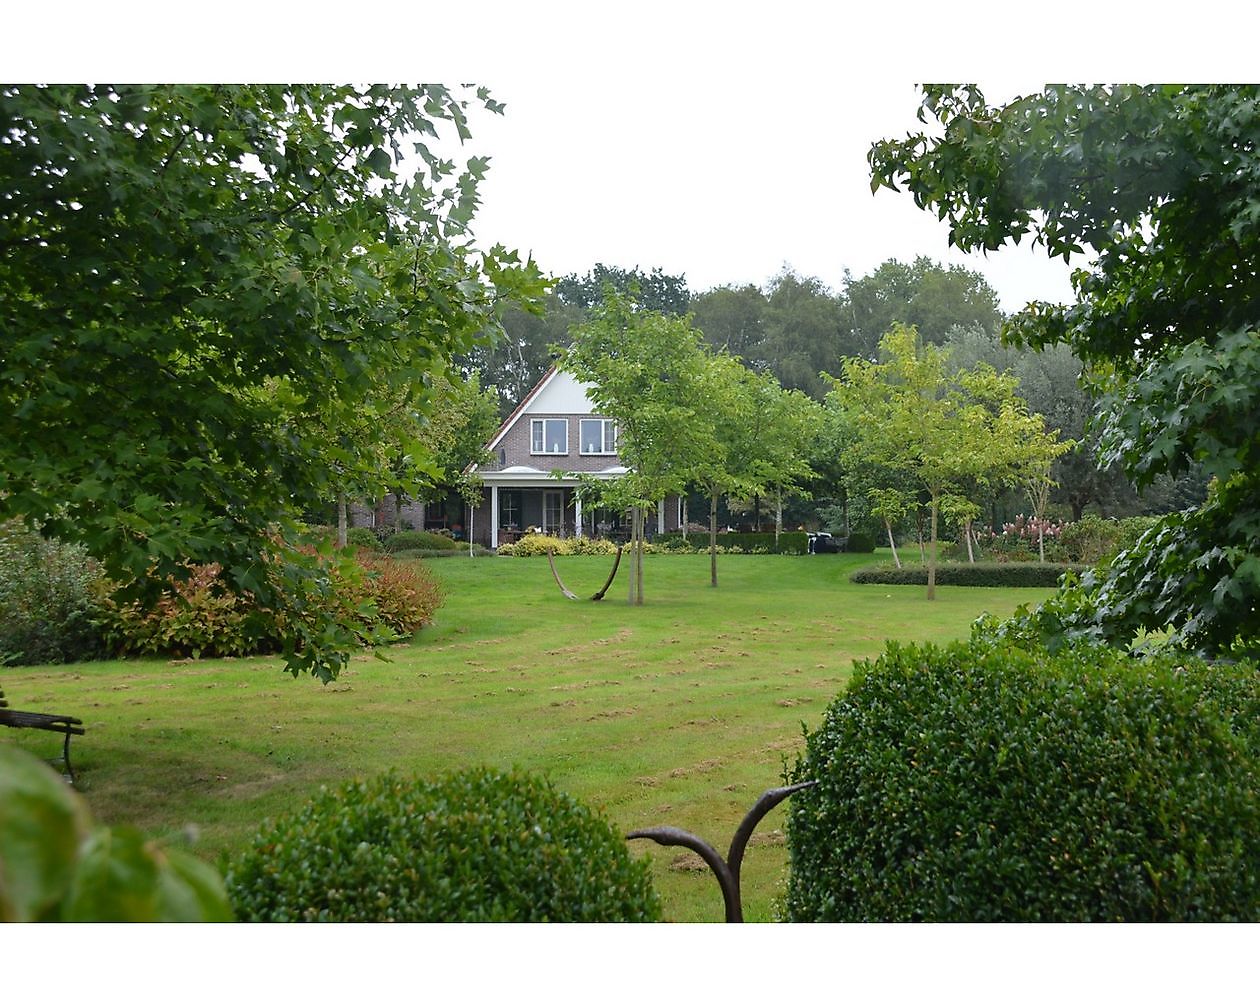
pixel 549 437
pixel 597 437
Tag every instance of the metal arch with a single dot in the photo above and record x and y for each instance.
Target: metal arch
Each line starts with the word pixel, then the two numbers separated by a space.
pixel 726 872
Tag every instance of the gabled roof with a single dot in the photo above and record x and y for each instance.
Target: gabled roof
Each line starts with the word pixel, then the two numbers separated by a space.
pixel 521 407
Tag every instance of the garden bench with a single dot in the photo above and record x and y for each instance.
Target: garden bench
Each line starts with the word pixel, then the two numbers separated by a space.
pixel 47 722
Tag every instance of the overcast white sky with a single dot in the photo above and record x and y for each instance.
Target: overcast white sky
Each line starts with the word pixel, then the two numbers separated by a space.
pixel 721 141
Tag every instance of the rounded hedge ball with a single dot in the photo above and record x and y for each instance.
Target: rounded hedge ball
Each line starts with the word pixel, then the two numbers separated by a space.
pixel 476 845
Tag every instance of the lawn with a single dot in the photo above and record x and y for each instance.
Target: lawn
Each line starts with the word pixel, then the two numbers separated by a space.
pixel 679 713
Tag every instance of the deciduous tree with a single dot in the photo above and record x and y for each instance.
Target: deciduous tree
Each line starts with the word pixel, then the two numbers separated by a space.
pixel 1158 188
pixel 169 253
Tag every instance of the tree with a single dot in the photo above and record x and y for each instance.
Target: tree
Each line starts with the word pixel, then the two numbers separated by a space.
pixel 733 319
pixel 647 370
pixel 656 291
pixel 933 298
pixel 761 439
pixel 948 430
pixel 172 252
pixel 1161 185
pixel 803 328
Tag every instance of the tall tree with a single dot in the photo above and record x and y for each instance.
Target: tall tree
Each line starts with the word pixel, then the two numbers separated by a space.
pixel 1161 184
pixel 803 328
pixel 514 358
pixel 655 291
pixel 733 320
pixel 168 253
pixel 924 294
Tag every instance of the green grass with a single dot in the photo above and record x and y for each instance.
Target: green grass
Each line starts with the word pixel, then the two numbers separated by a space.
pixel 679 713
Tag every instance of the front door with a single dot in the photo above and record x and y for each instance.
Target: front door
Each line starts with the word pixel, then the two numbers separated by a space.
pixel 553 511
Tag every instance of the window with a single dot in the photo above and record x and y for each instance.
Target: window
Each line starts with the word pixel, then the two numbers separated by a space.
pixel 510 509
pixel 597 437
pixel 549 437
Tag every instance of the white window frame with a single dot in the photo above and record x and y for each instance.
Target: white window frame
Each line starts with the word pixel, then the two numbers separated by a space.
pixel 603 435
pixel 542 422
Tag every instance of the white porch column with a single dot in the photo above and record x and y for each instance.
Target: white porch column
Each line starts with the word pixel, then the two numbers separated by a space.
pixel 494 515
pixel 660 517
pixel 577 514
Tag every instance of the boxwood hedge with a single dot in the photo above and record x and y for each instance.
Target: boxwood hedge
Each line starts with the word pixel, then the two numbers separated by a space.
pixel 978 575
pixel 981 782
pixel 478 845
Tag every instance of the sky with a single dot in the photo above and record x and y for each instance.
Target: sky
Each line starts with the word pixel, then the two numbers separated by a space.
pixel 730 186
pixel 724 141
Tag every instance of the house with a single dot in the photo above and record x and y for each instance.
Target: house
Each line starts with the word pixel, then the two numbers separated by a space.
pixel 554 430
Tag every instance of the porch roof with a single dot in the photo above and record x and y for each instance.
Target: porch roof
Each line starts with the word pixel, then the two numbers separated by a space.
pixel 522 476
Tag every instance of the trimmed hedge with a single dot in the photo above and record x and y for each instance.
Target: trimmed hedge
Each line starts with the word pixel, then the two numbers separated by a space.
pixel 791 543
pixel 984 782
pixel 478 845
pixel 979 575
pixel 417 540
pixel 860 542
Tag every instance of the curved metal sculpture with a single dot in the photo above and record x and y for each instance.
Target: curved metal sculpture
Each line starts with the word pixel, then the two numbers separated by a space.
pixel 551 560
pixel 727 872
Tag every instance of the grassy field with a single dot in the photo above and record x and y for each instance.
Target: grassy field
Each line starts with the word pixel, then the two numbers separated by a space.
pixel 677 713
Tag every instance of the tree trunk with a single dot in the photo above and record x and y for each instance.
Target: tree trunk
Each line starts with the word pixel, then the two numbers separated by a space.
pixel 892 543
pixel 971 556
pixel 778 518
pixel 638 561
pixel 685 518
pixel 756 514
pixel 634 545
pixel 931 585
pixel 713 503
pixel 343 520
pixel 1041 540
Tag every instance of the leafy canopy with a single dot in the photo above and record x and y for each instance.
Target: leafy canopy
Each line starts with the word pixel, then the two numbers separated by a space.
pixel 1161 186
pixel 173 254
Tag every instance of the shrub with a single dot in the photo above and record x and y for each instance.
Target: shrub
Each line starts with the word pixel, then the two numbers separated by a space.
pixel 199 615
pixel 405 595
pixel 417 540
pixel 193 616
pixel 750 542
pixel 1094 540
pixel 363 538
pixel 51 598
pixel 479 845
pixel 860 542
pixel 537 544
pixel 978 575
pixel 984 782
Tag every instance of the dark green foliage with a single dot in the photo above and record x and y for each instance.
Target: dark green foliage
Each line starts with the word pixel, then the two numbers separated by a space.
pixel 51 594
pixel 862 542
pixel 363 538
pixel 204 288
pixel 977 575
pixel 982 782
pixel 477 845
pixel 419 541
pixel 654 292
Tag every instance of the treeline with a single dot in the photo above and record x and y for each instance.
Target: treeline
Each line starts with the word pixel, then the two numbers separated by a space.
pixel 799 330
